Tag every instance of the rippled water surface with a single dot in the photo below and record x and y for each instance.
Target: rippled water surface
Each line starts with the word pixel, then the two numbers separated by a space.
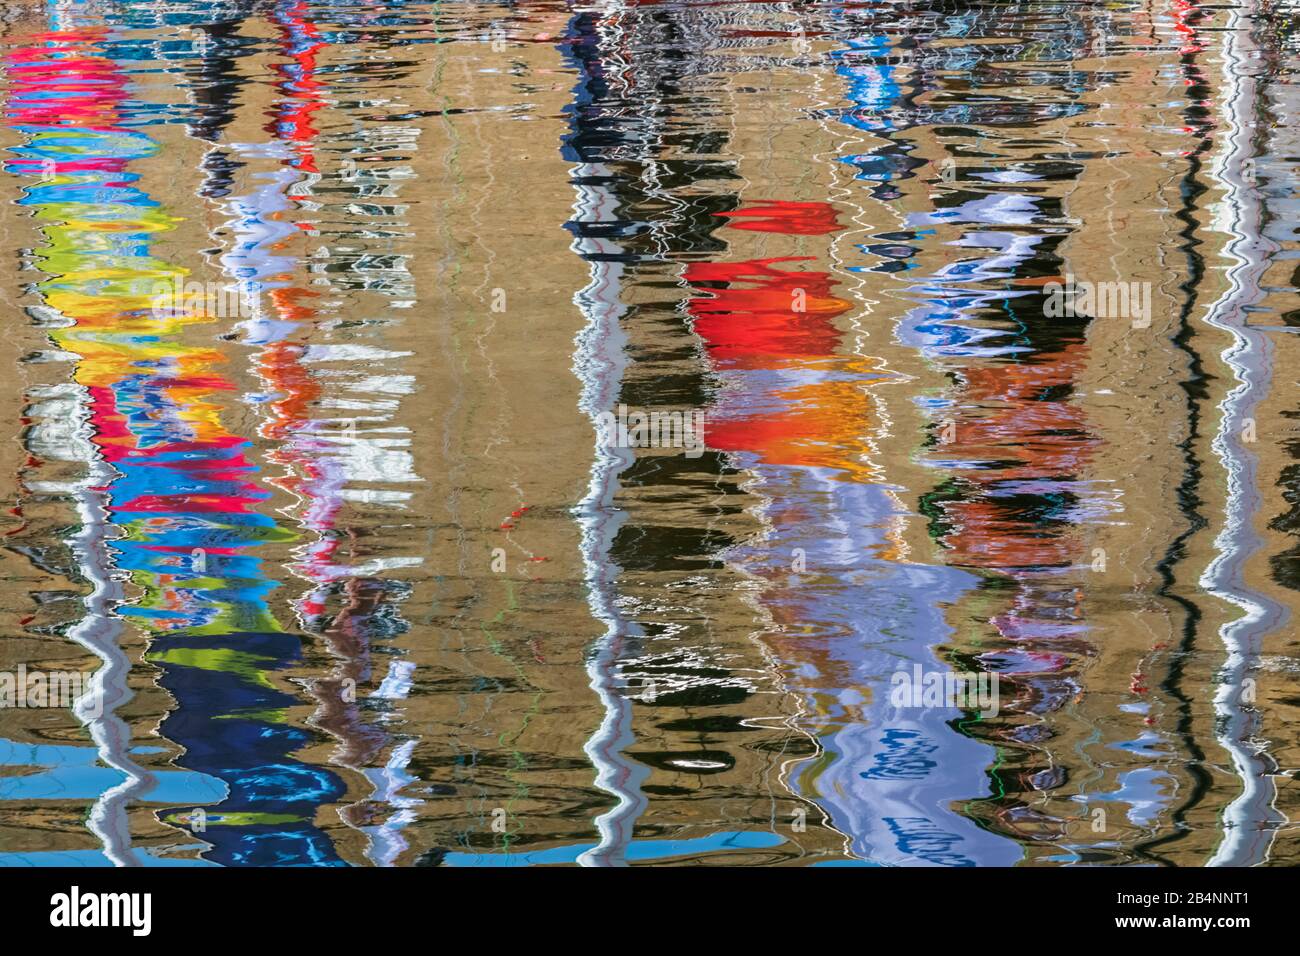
pixel 325 323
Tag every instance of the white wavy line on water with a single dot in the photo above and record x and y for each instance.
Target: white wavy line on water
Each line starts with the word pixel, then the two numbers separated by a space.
pixel 97 631
pixel 1249 821
pixel 599 362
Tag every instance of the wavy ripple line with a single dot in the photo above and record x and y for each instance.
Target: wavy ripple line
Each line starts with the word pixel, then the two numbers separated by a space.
pixel 1249 822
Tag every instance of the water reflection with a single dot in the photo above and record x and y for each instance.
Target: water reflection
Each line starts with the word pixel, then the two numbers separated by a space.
pixel 363 577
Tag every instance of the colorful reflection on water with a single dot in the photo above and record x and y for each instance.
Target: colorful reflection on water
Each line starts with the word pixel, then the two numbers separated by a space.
pixel 316 312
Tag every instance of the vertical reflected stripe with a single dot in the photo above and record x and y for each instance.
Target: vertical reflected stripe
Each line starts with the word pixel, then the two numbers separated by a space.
pixel 1250 822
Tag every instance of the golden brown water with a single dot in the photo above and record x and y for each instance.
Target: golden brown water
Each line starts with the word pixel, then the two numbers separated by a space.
pixel 328 327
